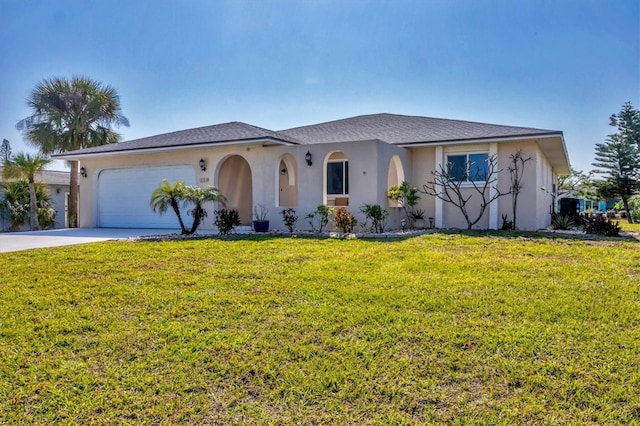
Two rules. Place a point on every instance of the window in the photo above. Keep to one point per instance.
(468, 167)
(338, 178)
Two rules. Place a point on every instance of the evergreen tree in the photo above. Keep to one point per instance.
(5, 150)
(618, 159)
(628, 123)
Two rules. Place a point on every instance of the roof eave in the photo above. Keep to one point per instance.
(560, 163)
(488, 139)
(263, 141)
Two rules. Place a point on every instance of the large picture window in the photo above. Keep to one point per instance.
(338, 178)
(468, 167)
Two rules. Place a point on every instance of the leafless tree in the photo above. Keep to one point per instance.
(516, 170)
(450, 189)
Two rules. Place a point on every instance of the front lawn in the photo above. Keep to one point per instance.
(452, 328)
(629, 227)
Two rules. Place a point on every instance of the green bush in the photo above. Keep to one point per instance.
(319, 218)
(634, 205)
(600, 225)
(562, 221)
(226, 220)
(376, 214)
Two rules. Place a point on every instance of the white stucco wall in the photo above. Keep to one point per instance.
(369, 163)
(534, 200)
(368, 170)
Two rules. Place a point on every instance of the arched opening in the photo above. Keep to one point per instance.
(234, 181)
(336, 179)
(395, 176)
(287, 182)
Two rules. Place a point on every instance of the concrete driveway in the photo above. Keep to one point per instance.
(15, 241)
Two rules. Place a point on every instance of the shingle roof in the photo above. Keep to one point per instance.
(403, 129)
(227, 132)
(50, 177)
(391, 128)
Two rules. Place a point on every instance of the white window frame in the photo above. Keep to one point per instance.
(467, 182)
(345, 179)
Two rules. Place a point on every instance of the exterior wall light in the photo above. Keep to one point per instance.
(283, 171)
(203, 165)
(83, 172)
(307, 157)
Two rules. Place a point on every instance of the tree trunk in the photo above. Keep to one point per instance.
(33, 207)
(72, 206)
(176, 209)
(626, 208)
(198, 214)
(515, 210)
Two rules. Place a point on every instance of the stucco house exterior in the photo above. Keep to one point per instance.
(346, 162)
(58, 185)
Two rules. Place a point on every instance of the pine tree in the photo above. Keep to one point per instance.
(628, 123)
(618, 159)
(5, 151)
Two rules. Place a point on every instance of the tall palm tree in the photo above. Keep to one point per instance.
(72, 114)
(26, 166)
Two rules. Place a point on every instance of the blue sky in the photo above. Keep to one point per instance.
(559, 65)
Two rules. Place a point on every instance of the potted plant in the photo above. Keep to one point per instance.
(418, 219)
(260, 222)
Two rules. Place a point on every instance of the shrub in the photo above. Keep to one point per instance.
(319, 218)
(562, 221)
(507, 225)
(226, 220)
(600, 225)
(344, 220)
(289, 218)
(405, 195)
(376, 214)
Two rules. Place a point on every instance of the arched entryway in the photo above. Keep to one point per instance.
(287, 182)
(234, 181)
(395, 176)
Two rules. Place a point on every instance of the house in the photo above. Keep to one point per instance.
(58, 185)
(346, 162)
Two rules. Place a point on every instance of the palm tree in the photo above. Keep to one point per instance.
(199, 196)
(72, 114)
(168, 195)
(15, 203)
(26, 166)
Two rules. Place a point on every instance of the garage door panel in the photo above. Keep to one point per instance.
(124, 194)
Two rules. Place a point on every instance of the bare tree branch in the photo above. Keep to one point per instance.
(449, 189)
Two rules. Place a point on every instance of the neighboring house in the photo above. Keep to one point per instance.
(346, 162)
(58, 184)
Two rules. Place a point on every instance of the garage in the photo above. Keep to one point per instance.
(124, 194)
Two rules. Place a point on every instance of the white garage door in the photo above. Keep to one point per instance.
(124, 194)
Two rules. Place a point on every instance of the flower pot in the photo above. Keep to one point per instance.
(418, 223)
(261, 225)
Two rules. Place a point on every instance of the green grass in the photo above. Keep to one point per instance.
(629, 227)
(464, 329)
